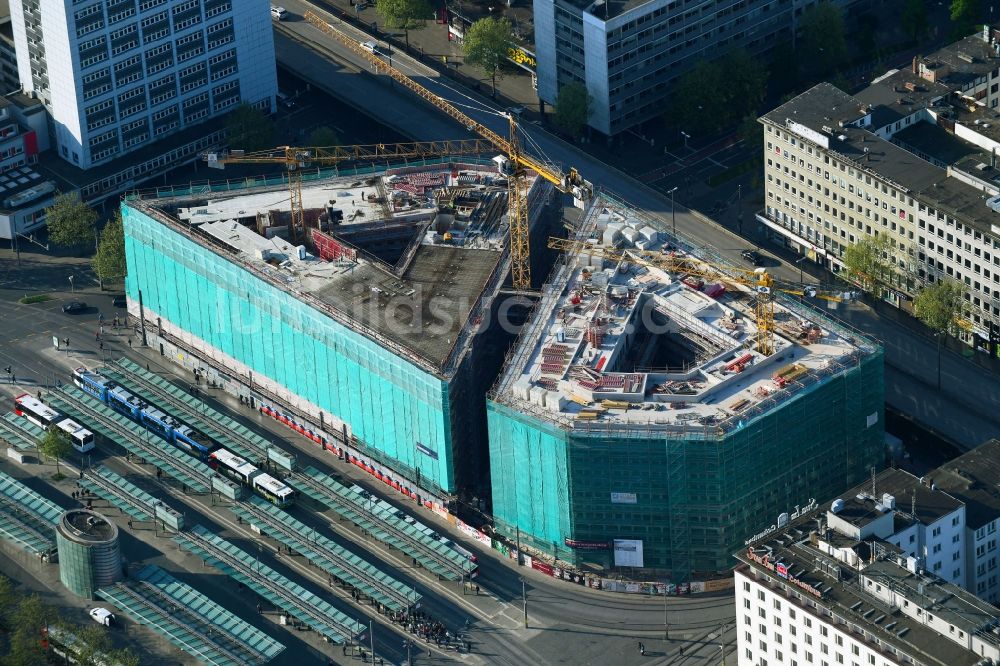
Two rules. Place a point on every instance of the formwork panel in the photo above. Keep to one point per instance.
(389, 403)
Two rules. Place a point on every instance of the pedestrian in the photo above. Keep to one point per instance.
(97, 336)
(682, 650)
(39, 396)
(642, 649)
(477, 590)
(13, 378)
(100, 346)
(130, 523)
(130, 343)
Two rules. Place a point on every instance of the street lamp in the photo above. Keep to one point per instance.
(524, 602)
(722, 649)
(71, 285)
(686, 137)
(666, 625)
(799, 262)
(673, 214)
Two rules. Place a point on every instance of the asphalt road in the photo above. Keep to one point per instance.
(601, 627)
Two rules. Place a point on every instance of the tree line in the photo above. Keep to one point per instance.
(25, 621)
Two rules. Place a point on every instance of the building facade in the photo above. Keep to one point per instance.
(24, 193)
(630, 53)
(810, 594)
(383, 363)
(972, 479)
(115, 76)
(912, 158)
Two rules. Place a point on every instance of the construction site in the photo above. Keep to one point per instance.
(661, 405)
(657, 407)
(362, 324)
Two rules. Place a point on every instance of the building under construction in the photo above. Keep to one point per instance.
(652, 419)
(364, 328)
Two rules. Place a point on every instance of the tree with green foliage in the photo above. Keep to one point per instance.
(70, 221)
(249, 128)
(718, 93)
(697, 99)
(55, 444)
(964, 16)
(487, 45)
(823, 42)
(93, 644)
(30, 619)
(747, 78)
(867, 264)
(8, 602)
(940, 305)
(109, 262)
(573, 106)
(752, 134)
(405, 14)
(125, 657)
(323, 137)
(913, 18)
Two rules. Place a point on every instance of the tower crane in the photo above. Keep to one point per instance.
(519, 163)
(762, 283)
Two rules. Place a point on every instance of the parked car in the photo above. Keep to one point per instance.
(102, 616)
(285, 100)
(74, 307)
(752, 257)
(279, 13)
(118, 301)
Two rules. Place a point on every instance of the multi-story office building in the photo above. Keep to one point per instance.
(911, 158)
(630, 53)
(24, 193)
(9, 81)
(811, 595)
(972, 479)
(116, 75)
(917, 518)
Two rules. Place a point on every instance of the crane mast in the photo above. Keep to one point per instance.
(758, 280)
(520, 162)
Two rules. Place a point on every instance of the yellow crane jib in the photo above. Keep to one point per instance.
(758, 280)
(570, 183)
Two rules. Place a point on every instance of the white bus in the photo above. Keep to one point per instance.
(45, 417)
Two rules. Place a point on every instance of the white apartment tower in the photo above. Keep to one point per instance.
(116, 75)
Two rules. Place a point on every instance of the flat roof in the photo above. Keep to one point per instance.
(936, 142)
(974, 478)
(87, 526)
(861, 506)
(424, 304)
(628, 344)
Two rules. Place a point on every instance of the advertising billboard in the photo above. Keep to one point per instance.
(628, 553)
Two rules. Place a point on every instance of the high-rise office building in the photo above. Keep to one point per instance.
(630, 53)
(115, 75)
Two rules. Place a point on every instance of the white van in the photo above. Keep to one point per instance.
(279, 13)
